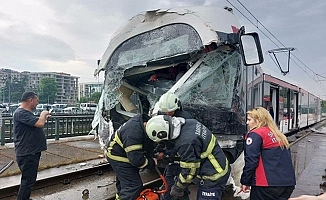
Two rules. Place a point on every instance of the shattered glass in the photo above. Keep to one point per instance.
(150, 46)
(158, 44)
(213, 82)
(215, 93)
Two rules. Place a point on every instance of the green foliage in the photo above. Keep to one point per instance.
(96, 96)
(48, 90)
(83, 100)
(323, 106)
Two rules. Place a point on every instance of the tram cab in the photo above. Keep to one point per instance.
(198, 53)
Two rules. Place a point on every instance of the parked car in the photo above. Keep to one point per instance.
(59, 107)
(12, 108)
(40, 107)
(73, 110)
(89, 107)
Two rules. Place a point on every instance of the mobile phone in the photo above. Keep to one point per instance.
(50, 110)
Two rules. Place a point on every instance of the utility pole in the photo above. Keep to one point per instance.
(9, 88)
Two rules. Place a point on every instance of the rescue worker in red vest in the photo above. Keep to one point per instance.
(130, 150)
(202, 160)
(170, 104)
(268, 172)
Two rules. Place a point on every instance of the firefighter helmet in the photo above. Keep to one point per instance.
(169, 102)
(159, 128)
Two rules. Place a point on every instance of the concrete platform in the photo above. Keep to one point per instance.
(310, 164)
(82, 150)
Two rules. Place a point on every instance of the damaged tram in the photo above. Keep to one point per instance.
(199, 53)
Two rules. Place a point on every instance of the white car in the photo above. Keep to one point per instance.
(89, 107)
(72, 110)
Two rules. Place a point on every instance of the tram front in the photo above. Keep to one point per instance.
(193, 52)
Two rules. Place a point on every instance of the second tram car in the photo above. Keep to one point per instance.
(291, 106)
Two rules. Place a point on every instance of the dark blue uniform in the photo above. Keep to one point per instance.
(201, 160)
(172, 170)
(129, 150)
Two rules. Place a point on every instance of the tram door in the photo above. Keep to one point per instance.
(274, 106)
(293, 120)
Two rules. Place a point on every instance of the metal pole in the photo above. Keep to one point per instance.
(57, 121)
(3, 132)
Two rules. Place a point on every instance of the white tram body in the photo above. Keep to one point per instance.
(213, 67)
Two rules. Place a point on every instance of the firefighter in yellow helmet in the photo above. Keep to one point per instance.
(202, 160)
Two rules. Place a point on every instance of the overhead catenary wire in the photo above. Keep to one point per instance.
(304, 68)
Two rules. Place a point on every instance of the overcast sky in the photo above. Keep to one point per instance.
(70, 35)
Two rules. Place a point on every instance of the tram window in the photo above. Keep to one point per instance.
(213, 82)
(171, 40)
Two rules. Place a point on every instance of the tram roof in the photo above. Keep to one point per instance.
(281, 77)
(205, 20)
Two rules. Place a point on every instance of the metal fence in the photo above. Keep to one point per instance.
(56, 127)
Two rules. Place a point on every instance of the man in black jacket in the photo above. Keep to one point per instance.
(129, 150)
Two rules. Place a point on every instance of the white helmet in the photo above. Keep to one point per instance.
(169, 102)
(158, 128)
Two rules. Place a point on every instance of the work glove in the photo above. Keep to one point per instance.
(176, 191)
(151, 163)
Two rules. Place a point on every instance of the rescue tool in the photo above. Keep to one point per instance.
(152, 194)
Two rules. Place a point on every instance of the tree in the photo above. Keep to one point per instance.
(13, 90)
(83, 100)
(48, 90)
(96, 96)
(323, 106)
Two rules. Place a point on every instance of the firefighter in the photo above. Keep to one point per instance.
(170, 104)
(202, 160)
(130, 150)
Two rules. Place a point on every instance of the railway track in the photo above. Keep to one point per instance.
(79, 176)
(63, 180)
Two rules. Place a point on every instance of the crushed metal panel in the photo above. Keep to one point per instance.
(206, 20)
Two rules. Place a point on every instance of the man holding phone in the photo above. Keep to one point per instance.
(29, 140)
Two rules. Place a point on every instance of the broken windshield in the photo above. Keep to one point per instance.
(163, 42)
(213, 82)
(167, 41)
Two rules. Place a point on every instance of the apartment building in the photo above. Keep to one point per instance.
(68, 90)
(11, 75)
(87, 89)
(67, 85)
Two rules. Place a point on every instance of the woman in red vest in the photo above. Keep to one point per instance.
(268, 172)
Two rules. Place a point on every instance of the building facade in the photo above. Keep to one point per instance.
(67, 84)
(88, 89)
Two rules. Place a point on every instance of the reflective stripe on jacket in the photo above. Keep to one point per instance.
(201, 156)
(130, 143)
